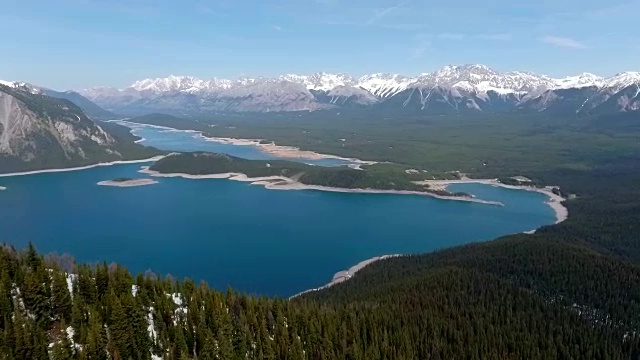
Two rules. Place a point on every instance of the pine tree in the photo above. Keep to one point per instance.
(102, 280)
(78, 317)
(138, 327)
(60, 297)
(33, 259)
(296, 351)
(62, 349)
(39, 344)
(37, 294)
(209, 346)
(85, 285)
(120, 336)
(223, 337)
(6, 307)
(21, 346)
(95, 348)
(180, 343)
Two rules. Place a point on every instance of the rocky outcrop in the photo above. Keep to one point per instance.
(35, 126)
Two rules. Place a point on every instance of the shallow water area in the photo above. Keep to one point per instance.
(185, 140)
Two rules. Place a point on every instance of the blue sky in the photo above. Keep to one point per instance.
(74, 44)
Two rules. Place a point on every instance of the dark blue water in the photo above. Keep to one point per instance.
(177, 140)
(231, 233)
(257, 240)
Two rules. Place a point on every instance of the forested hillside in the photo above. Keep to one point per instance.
(410, 308)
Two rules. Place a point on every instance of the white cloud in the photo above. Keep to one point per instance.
(563, 42)
(209, 11)
(402, 27)
(496, 37)
(451, 36)
(461, 36)
(276, 27)
(379, 14)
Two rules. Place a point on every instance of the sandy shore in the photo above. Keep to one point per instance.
(120, 162)
(345, 275)
(554, 201)
(284, 183)
(271, 148)
(128, 183)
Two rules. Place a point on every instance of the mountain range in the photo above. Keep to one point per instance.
(464, 88)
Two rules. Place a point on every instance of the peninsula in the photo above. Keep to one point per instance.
(287, 175)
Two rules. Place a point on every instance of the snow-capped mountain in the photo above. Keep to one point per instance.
(320, 81)
(385, 85)
(622, 80)
(579, 81)
(482, 79)
(456, 88)
(90, 108)
(21, 85)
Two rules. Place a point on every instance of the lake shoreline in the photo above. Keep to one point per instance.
(271, 148)
(554, 200)
(284, 183)
(345, 275)
(117, 162)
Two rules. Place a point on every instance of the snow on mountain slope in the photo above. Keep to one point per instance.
(21, 85)
(472, 77)
(341, 95)
(478, 84)
(320, 81)
(325, 82)
(622, 80)
(481, 79)
(187, 84)
(384, 85)
(579, 81)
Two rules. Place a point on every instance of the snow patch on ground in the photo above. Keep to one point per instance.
(70, 279)
(176, 299)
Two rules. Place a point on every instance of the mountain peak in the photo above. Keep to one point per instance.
(22, 86)
(622, 80)
(579, 81)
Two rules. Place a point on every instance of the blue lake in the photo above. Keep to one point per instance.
(231, 233)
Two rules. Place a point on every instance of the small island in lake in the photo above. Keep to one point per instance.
(289, 175)
(127, 182)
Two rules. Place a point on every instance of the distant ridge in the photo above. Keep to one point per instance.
(451, 89)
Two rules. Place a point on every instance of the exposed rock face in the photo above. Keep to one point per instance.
(34, 126)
